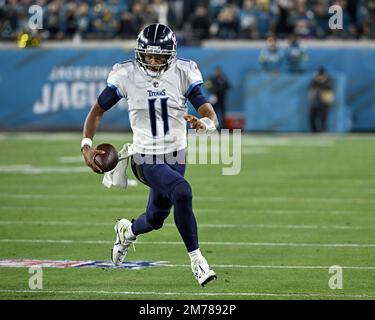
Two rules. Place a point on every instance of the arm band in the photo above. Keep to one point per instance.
(108, 98)
(196, 97)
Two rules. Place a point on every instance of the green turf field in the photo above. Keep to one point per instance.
(299, 205)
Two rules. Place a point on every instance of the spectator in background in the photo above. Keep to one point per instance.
(8, 20)
(349, 29)
(302, 19)
(200, 23)
(282, 23)
(129, 26)
(321, 96)
(227, 22)
(149, 15)
(321, 19)
(176, 14)
(271, 58)
(215, 6)
(105, 24)
(353, 9)
(83, 19)
(117, 7)
(137, 12)
(218, 86)
(265, 20)
(369, 19)
(160, 7)
(97, 12)
(71, 26)
(295, 55)
(53, 22)
(248, 20)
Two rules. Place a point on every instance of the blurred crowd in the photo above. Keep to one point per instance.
(193, 20)
(293, 58)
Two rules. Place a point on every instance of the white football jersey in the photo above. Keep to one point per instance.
(156, 105)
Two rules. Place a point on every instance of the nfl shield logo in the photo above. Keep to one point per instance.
(155, 84)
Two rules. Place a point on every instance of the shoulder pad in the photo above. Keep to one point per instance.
(123, 67)
(185, 64)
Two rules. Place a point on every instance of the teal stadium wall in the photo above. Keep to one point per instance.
(53, 89)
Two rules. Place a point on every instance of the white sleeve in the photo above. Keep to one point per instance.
(115, 80)
(193, 77)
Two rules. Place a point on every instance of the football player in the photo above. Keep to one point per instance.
(156, 86)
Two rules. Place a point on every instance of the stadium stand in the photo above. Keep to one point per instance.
(193, 20)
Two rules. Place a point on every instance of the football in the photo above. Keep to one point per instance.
(109, 160)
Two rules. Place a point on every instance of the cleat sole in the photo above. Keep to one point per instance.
(209, 279)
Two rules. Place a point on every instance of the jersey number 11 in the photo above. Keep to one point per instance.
(164, 114)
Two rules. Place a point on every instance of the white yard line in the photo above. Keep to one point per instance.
(269, 266)
(125, 209)
(62, 136)
(71, 159)
(30, 169)
(286, 142)
(202, 294)
(53, 210)
(256, 150)
(197, 198)
(217, 243)
(29, 196)
(201, 225)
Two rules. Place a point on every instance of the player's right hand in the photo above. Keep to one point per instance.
(89, 155)
(194, 122)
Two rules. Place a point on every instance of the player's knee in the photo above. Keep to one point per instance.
(182, 192)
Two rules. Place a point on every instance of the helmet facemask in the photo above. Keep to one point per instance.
(156, 69)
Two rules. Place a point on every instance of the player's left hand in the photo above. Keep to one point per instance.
(195, 123)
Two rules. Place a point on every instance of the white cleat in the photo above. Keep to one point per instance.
(118, 253)
(122, 244)
(202, 271)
